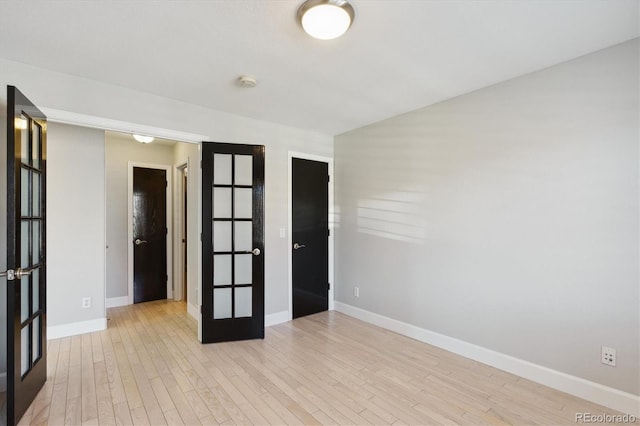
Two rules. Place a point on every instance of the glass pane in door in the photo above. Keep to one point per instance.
(24, 191)
(36, 350)
(24, 350)
(243, 169)
(221, 303)
(35, 145)
(24, 299)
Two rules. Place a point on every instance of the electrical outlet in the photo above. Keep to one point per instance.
(608, 356)
(356, 291)
(86, 302)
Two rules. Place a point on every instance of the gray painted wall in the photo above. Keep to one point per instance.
(75, 223)
(507, 218)
(119, 151)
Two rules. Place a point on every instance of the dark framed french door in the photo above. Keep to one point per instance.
(26, 253)
(232, 242)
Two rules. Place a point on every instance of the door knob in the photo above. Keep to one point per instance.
(297, 246)
(138, 241)
(256, 252)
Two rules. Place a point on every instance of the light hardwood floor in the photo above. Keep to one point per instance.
(148, 368)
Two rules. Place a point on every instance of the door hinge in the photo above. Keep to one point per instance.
(166, 277)
(328, 286)
(328, 178)
(328, 232)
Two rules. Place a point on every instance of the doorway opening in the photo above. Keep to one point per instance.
(181, 253)
(146, 250)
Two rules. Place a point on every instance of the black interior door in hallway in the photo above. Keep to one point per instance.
(149, 234)
(310, 236)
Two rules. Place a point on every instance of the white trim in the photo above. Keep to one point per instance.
(178, 249)
(582, 388)
(277, 318)
(193, 311)
(168, 207)
(114, 302)
(76, 119)
(329, 161)
(3, 382)
(75, 328)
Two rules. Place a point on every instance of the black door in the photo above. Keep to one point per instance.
(310, 236)
(26, 253)
(232, 242)
(149, 234)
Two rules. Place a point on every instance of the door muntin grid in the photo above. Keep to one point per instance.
(30, 233)
(232, 235)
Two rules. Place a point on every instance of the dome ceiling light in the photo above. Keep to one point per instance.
(143, 139)
(326, 19)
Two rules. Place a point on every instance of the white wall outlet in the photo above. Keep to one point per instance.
(608, 356)
(356, 291)
(86, 302)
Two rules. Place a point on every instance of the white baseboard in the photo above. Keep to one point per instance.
(114, 302)
(74, 328)
(582, 388)
(3, 382)
(277, 318)
(193, 311)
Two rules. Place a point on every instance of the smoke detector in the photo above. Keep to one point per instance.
(247, 81)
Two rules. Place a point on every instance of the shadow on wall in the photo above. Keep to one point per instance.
(393, 216)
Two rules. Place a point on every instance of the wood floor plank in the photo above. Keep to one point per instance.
(328, 368)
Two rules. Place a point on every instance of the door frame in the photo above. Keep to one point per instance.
(178, 250)
(168, 207)
(329, 162)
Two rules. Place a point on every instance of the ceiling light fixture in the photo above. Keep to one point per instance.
(143, 139)
(326, 19)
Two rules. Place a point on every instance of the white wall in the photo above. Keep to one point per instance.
(75, 224)
(507, 218)
(65, 92)
(120, 149)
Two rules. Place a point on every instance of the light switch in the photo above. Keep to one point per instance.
(283, 232)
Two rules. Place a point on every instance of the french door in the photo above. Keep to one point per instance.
(232, 242)
(26, 253)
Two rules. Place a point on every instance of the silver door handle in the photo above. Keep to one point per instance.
(256, 252)
(17, 274)
(138, 241)
(297, 246)
(23, 272)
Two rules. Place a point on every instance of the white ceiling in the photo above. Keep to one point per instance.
(398, 56)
